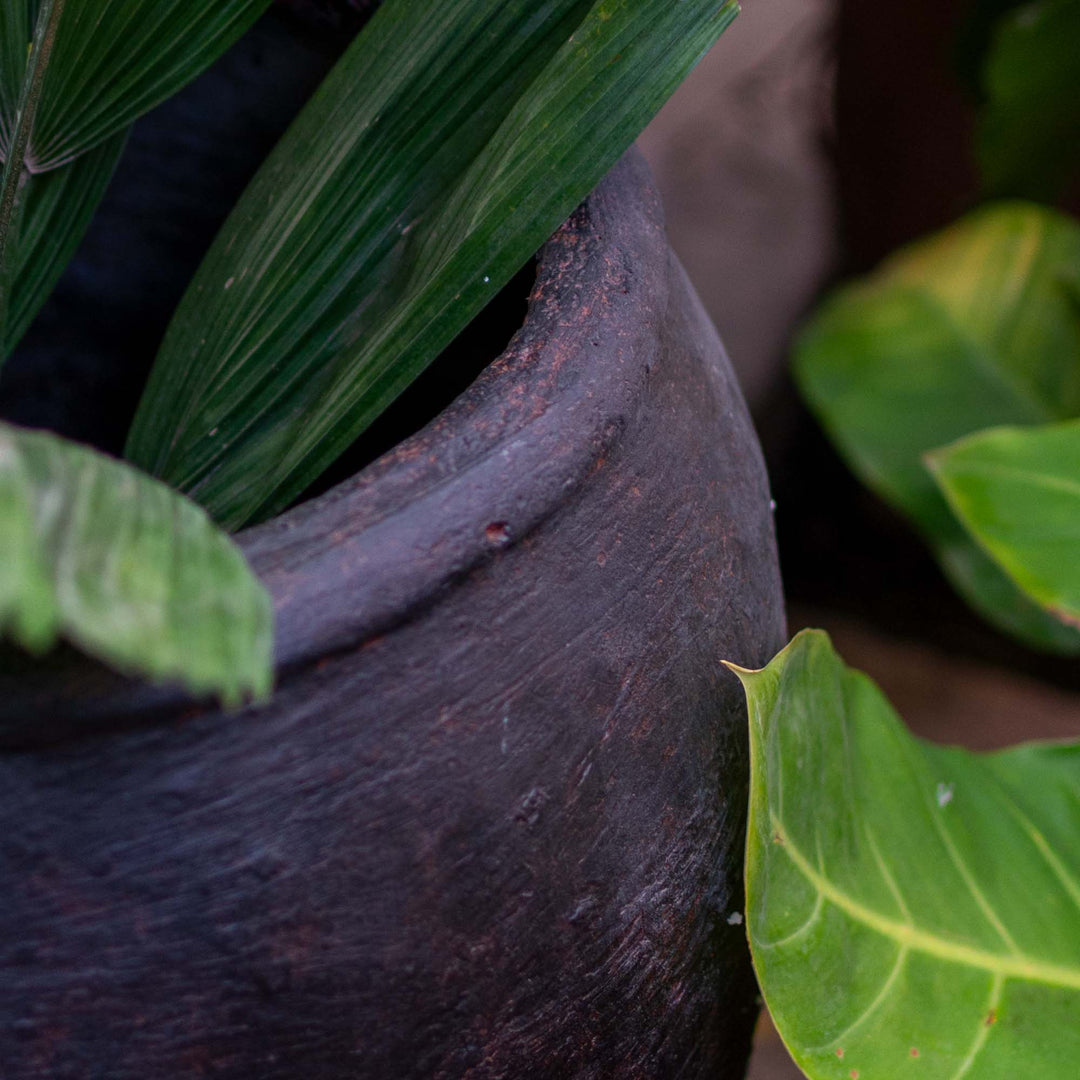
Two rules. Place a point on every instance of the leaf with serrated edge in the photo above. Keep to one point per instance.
(974, 327)
(1017, 491)
(131, 572)
(387, 218)
(910, 907)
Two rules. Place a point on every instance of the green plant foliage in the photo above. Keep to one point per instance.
(15, 131)
(441, 152)
(129, 571)
(975, 327)
(1017, 490)
(112, 61)
(975, 36)
(59, 206)
(913, 910)
(73, 76)
(1029, 129)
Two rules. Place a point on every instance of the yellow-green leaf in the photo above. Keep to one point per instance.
(913, 910)
(1017, 491)
(975, 327)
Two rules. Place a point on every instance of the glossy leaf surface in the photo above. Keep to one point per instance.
(975, 327)
(112, 61)
(1017, 491)
(446, 146)
(1029, 129)
(913, 910)
(126, 569)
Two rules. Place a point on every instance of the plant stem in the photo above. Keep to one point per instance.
(15, 162)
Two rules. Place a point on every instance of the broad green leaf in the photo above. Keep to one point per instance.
(59, 206)
(112, 61)
(975, 327)
(1017, 491)
(126, 569)
(445, 147)
(1029, 128)
(913, 910)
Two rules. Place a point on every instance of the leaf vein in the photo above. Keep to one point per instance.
(1012, 965)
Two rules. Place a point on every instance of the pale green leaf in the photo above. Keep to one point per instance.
(975, 327)
(913, 910)
(446, 146)
(126, 569)
(1017, 491)
(1029, 127)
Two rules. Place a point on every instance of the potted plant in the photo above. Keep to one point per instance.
(489, 820)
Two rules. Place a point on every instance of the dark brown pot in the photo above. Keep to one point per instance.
(491, 824)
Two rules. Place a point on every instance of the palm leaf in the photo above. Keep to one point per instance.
(444, 148)
(73, 77)
(112, 61)
(59, 207)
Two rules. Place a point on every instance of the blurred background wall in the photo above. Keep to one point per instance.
(742, 158)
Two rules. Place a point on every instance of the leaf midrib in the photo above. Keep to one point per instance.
(905, 934)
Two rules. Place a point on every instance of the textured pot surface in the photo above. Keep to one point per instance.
(491, 823)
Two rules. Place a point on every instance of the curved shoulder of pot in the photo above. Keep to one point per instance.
(381, 547)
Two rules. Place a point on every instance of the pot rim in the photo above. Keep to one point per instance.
(381, 547)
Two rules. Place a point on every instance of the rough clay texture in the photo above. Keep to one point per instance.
(491, 825)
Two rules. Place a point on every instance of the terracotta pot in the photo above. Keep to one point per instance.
(491, 823)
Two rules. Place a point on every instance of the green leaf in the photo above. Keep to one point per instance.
(126, 569)
(912, 909)
(1029, 128)
(974, 37)
(59, 207)
(975, 327)
(15, 131)
(1017, 491)
(74, 74)
(112, 61)
(445, 147)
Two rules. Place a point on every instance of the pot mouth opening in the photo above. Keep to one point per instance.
(448, 376)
